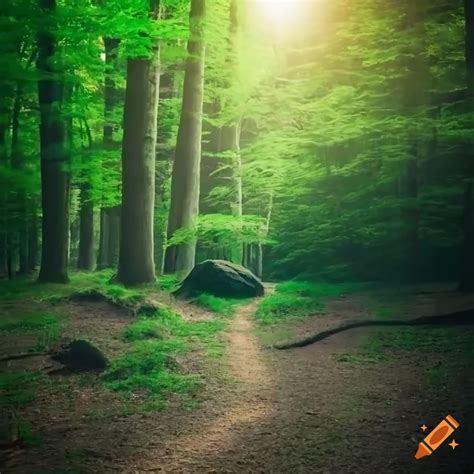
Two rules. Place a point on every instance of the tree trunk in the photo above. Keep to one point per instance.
(109, 216)
(466, 282)
(186, 167)
(54, 159)
(231, 145)
(3, 201)
(413, 218)
(18, 206)
(136, 258)
(85, 260)
(33, 236)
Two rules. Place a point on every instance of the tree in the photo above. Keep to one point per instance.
(86, 256)
(109, 215)
(136, 257)
(54, 157)
(186, 167)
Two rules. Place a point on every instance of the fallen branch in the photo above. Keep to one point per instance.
(452, 319)
(23, 355)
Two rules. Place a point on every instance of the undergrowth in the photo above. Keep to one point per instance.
(150, 367)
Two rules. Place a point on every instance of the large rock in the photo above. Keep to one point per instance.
(81, 356)
(221, 278)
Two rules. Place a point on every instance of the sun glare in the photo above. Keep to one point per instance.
(282, 13)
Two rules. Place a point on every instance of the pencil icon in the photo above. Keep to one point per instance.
(437, 437)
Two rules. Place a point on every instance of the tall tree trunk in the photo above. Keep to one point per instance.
(186, 167)
(164, 158)
(109, 216)
(258, 266)
(3, 200)
(466, 282)
(413, 217)
(19, 201)
(86, 257)
(230, 145)
(136, 258)
(54, 158)
(86, 260)
(33, 236)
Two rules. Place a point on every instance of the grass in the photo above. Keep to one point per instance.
(219, 306)
(299, 299)
(45, 325)
(444, 353)
(168, 282)
(31, 321)
(18, 388)
(150, 368)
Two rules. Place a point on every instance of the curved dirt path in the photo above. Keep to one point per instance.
(296, 411)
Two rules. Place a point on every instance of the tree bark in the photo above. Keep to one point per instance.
(33, 236)
(231, 145)
(54, 158)
(186, 167)
(86, 260)
(136, 258)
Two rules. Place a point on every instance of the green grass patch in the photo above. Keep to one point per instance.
(280, 307)
(319, 289)
(29, 321)
(219, 306)
(28, 436)
(299, 299)
(444, 352)
(168, 282)
(18, 388)
(46, 326)
(150, 366)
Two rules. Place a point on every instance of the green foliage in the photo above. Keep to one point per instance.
(168, 282)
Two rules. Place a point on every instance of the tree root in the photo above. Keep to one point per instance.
(23, 355)
(452, 319)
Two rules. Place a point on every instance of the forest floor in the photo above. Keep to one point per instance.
(353, 403)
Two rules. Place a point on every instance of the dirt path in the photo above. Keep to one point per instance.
(300, 411)
(297, 411)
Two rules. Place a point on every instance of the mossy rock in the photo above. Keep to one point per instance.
(220, 278)
(81, 356)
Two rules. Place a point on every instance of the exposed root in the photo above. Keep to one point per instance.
(451, 319)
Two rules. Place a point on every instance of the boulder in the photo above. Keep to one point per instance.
(81, 356)
(220, 278)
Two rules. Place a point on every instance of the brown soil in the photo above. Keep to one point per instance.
(297, 411)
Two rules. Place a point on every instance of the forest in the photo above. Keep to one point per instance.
(236, 236)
